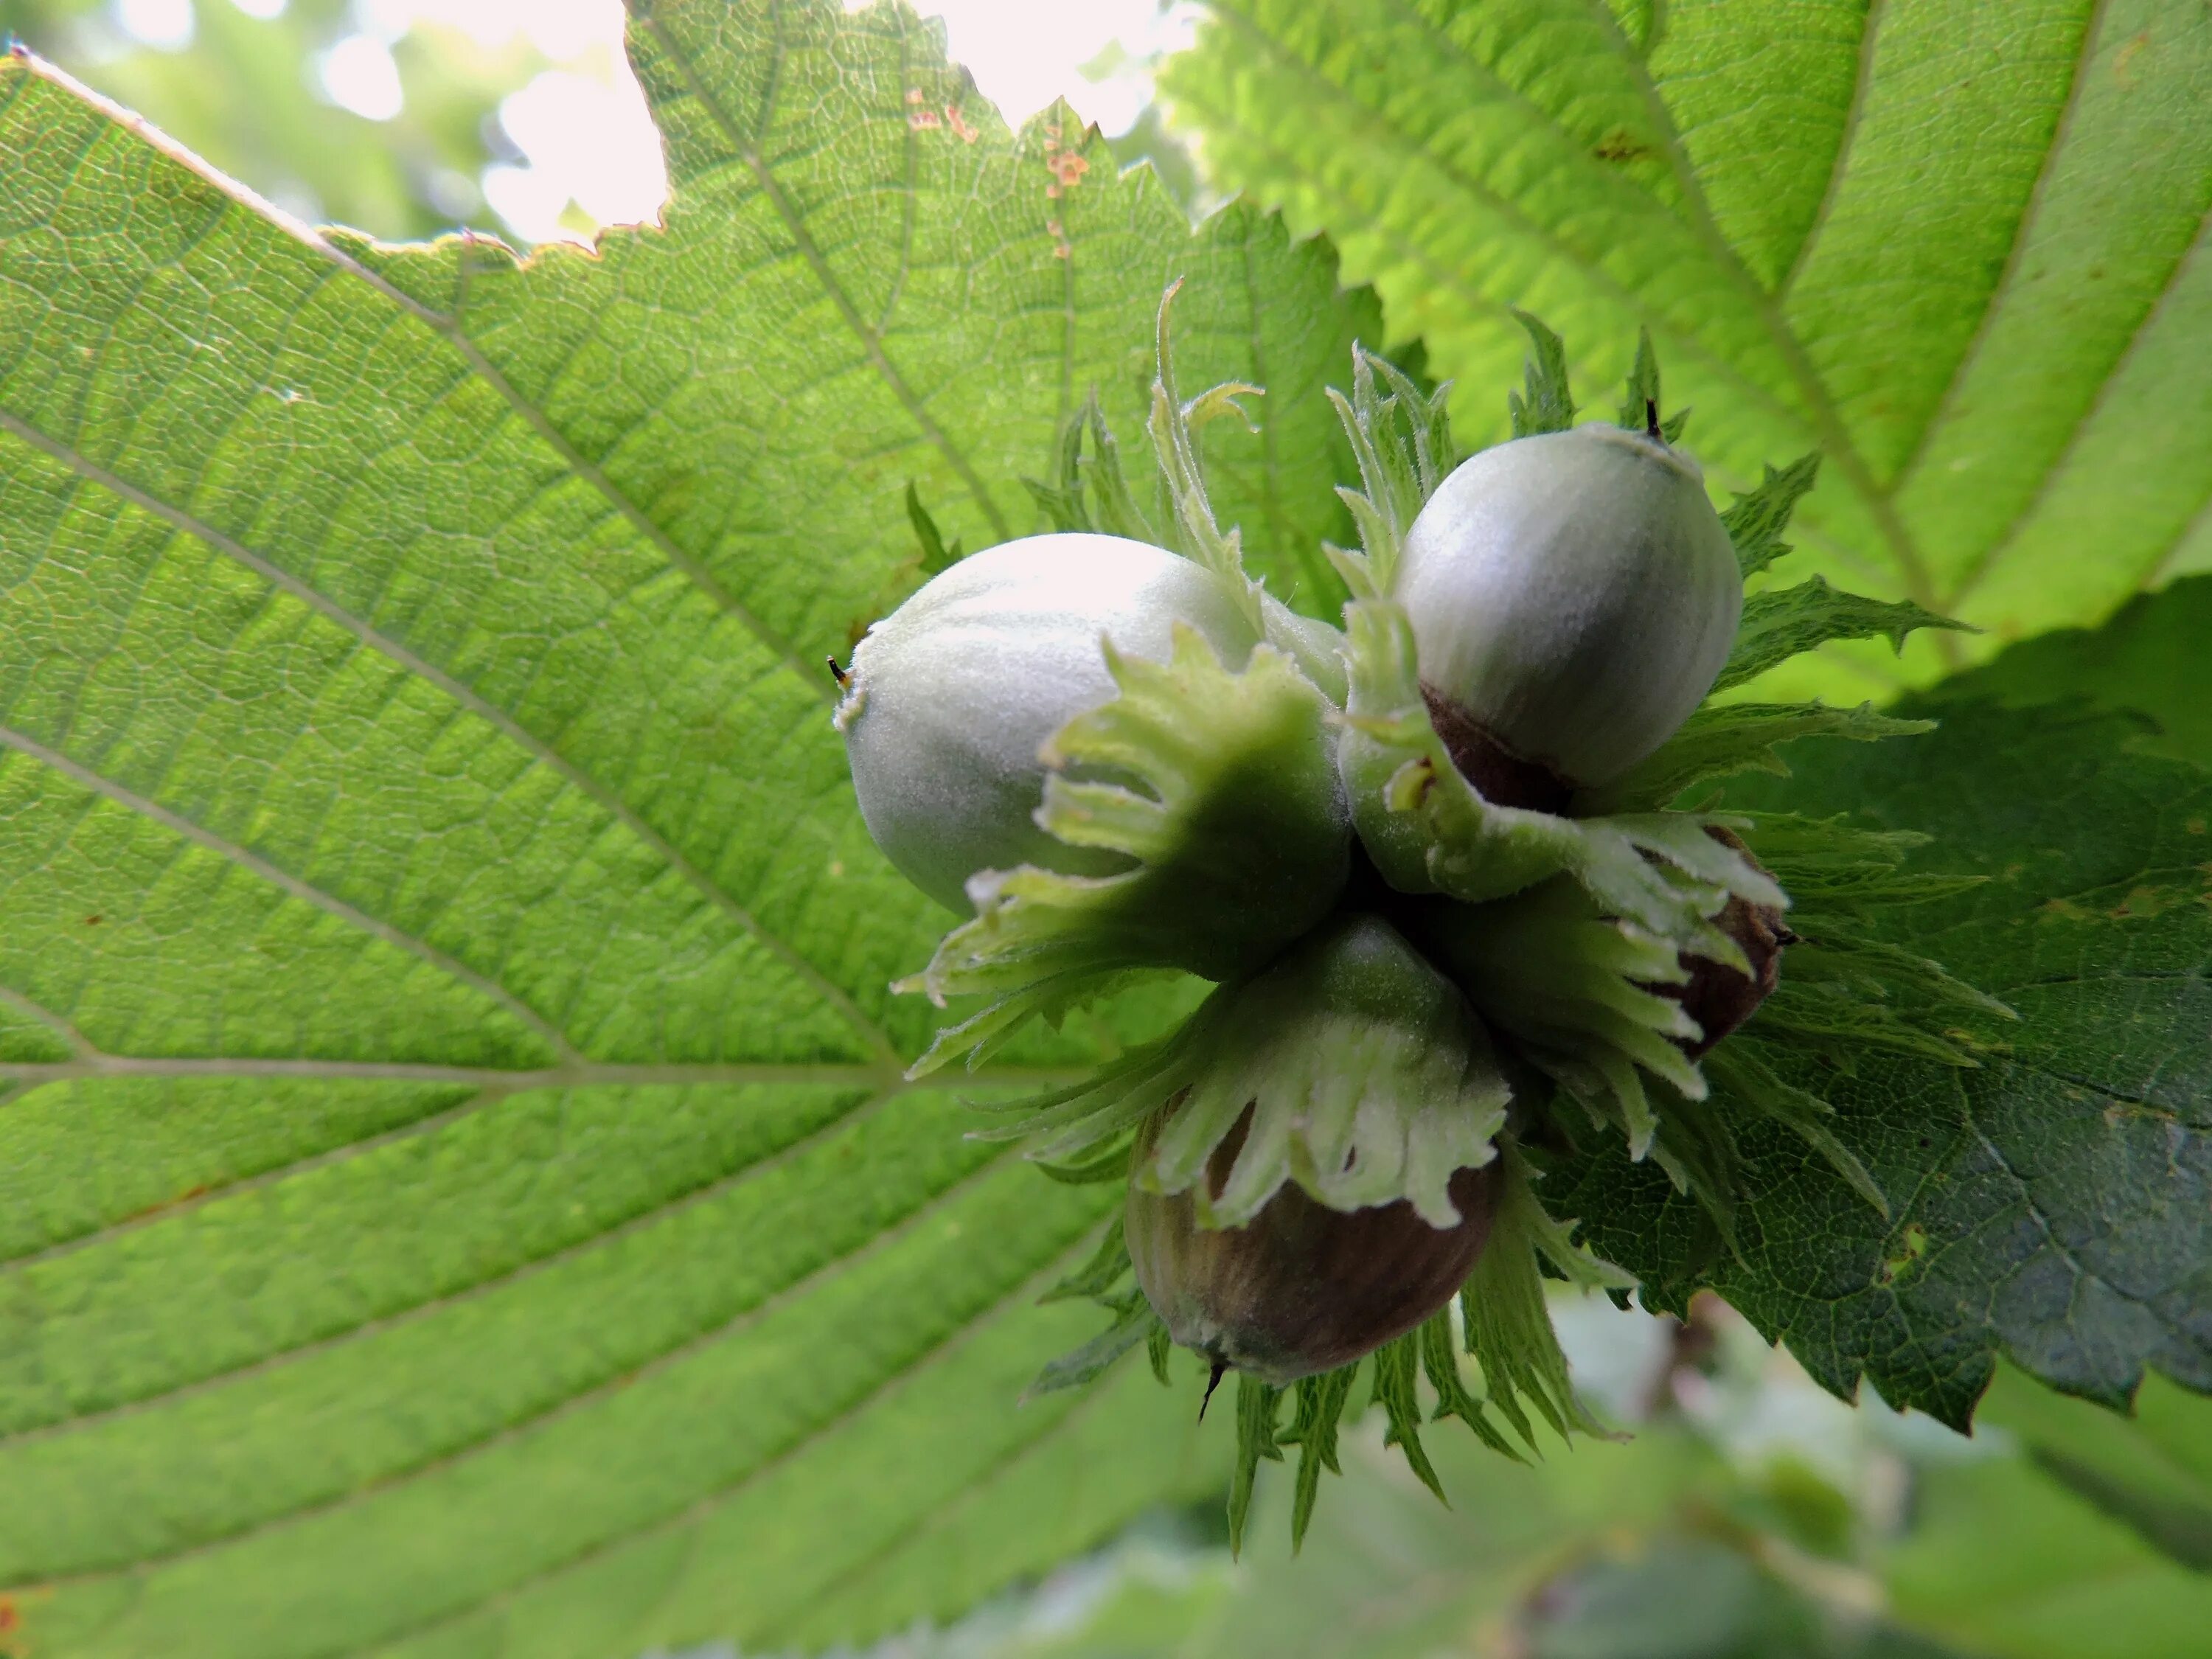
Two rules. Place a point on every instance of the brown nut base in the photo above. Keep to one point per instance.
(1499, 776)
(1719, 998)
(1301, 1289)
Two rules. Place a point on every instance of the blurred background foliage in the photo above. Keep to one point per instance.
(407, 119)
(257, 89)
(1744, 1515)
(1747, 1515)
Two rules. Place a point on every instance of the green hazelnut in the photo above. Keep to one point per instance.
(951, 697)
(1573, 597)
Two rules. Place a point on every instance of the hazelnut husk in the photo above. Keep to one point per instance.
(1302, 1288)
(1721, 998)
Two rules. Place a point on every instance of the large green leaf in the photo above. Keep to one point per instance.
(1958, 244)
(2053, 1202)
(456, 1190)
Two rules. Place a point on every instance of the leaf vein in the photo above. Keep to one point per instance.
(2022, 230)
(46, 1017)
(577, 1075)
(1766, 308)
(1973, 576)
(1818, 408)
(1862, 83)
(702, 1507)
(535, 1421)
(467, 697)
(520, 1273)
(795, 223)
(923, 1523)
(429, 1124)
(293, 886)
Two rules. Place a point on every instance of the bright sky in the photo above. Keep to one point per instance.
(582, 127)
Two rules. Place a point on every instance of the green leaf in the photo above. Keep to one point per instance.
(1133, 1322)
(1257, 1404)
(935, 557)
(1549, 406)
(1958, 248)
(1641, 405)
(1320, 1403)
(1722, 740)
(456, 1190)
(1756, 519)
(1396, 1365)
(2053, 1203)
(1780, 623)
(2149, 660)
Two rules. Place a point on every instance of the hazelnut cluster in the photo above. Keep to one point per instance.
(1436, 864)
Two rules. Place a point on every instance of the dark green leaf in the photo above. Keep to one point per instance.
(2150, 659)
(1755, 521)
(2053, 1203)
(1723, 740)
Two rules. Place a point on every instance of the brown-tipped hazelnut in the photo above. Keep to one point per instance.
(1718, 997)
(1573, 596)
(1302, 1288)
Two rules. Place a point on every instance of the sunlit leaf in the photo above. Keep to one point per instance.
(1957, 246)
(455, 1183)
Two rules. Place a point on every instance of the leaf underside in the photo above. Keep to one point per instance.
(1958, 248)
(454, 1180)
(457, 1196)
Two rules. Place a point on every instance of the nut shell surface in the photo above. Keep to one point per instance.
(1302, 1289)
(1574, 594)
(951, 696)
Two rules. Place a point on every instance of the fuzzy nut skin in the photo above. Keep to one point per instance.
(951, 697)
(1573, 597)
(1302, 1288)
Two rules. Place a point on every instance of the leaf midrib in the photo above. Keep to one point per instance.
(772, 191)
